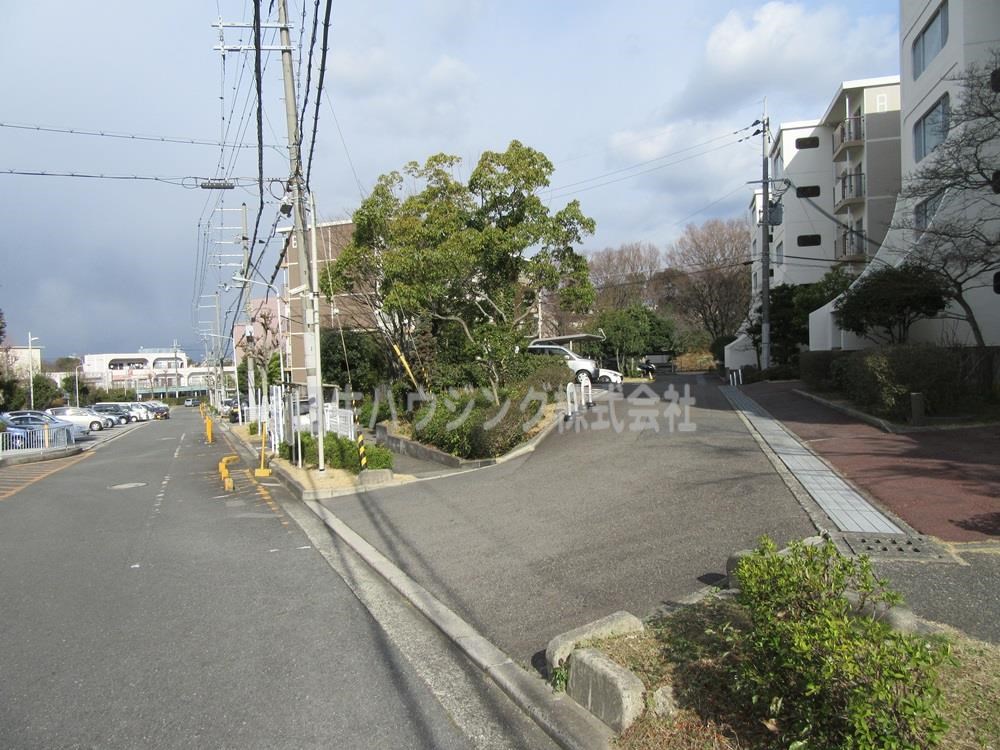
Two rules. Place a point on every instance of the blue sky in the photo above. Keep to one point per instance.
(97, 265)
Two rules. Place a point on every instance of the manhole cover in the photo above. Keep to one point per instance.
(896, 547)
(127, 486)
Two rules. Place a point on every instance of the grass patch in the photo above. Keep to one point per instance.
(689, 650)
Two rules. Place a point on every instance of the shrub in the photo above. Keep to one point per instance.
(881, 380)
(718, 347)
(253, 428)
(820, 675)
(817, 368)
(469, 425)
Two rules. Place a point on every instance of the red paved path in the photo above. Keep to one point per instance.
(944, 482)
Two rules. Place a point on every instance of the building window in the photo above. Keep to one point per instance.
(777, 166)
(809, 240)
(779, 253)
(931, 129)
(930, 41)
(810, 142)
(924, 212)
(807, 191)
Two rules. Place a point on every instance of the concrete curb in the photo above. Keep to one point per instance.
(45, 454)
(855, 413)
(560, 647)
(560, 717)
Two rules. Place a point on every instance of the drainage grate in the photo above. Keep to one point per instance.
(896, 547)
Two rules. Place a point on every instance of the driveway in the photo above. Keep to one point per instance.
(593, 521)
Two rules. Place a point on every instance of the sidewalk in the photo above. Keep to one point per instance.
(944, 484)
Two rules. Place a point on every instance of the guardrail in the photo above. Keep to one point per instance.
(35, 440)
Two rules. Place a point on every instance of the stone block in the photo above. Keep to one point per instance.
(609, 691)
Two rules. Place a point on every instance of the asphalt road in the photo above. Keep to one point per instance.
(144, 607)
(633, 516)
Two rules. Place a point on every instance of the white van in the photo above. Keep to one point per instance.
(580, 366)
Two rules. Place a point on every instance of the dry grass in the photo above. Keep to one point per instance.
(687, 650)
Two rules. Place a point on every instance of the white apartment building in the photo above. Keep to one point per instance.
(836, 180)
(939, 39)
(147, 371)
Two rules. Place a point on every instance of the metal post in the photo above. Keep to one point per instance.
(76, 383)
(31, 371)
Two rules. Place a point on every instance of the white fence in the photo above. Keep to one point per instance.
(34, 440)
(339, 420)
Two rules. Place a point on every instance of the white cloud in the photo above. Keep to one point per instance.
(786, 49)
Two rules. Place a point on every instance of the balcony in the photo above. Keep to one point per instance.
(850, 246)
(851, 132)
(849, 191)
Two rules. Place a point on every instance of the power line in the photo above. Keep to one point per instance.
(189, 182)
(553, 193)
(128, 136)
(319, 87)
(650, 161)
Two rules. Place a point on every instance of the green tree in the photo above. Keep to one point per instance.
(47, 393)
(789, 312)
(470, 257)
(884, 302)
(633, 332)
(364, 366)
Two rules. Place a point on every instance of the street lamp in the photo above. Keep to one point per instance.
(76, 380)
(31, 371)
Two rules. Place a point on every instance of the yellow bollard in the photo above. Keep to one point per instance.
(208, 430)
(262, 472)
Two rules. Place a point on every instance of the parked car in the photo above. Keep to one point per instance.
(77, 415)
(581, 366)
(133, 414)
(609, 376)
(192, 402)
(13, 435)
(158, 409)
(116, 412)
(35, 420)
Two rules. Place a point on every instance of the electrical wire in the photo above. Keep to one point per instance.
(128, 136)
(319, 87)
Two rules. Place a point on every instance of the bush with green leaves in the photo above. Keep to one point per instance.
(338, 453)
(881, 380)
(820, 674)
(468, 424)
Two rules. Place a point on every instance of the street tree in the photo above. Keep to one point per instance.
(955, 194)
(789, 314)
(710, 283)
(471, 258)
(632, 332)
(885, 301)
(625, 275)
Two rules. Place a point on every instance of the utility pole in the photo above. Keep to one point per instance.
(765, 251)
(177, 374)
(248, 337)
(300, 274)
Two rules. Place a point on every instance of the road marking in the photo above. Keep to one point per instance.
(17, 477)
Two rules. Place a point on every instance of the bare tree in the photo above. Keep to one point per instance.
(623, 276)
(955, 221)
(711, 279)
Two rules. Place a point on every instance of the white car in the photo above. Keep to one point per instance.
(78, 415)
(609, 376)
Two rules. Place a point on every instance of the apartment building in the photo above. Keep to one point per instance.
(939, 39)
(836, 180)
